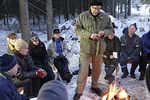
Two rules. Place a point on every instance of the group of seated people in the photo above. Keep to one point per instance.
(33, 59)
(129, 48)
(31, 68)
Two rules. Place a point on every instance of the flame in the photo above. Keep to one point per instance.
(115, 94)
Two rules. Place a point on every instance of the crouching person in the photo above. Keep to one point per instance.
(39, 55)
(8, 68)
(28, 76)
(57, 49)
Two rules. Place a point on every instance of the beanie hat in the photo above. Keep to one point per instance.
(11, 35)
(7, 62)
(96, 2)
(20, 44)
(134, 25)
(53, 90)
(34, 37)
(55, 31)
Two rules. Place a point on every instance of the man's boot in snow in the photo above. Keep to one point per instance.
(142, 76)
(109, 75)
(133, 67)
(125, 72)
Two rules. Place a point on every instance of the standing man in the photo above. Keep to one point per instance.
(92, 26)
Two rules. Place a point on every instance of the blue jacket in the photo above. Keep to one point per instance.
(145, 43)
(8, 91)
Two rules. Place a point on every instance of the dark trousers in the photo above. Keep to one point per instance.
(31, 85)
(62, 66)
(110, 63)
(148, 77)
(50, 74)
(123, 63)
(143, 61)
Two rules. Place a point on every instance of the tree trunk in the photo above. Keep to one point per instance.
(129, 7)
(125, 16)
(49, 11)
(24, 19)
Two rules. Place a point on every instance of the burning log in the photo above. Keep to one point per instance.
(115, 94)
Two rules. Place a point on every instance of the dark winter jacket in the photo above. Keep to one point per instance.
(112, 45)
(85, 25)
(130, 46)
(7, 89)
(145, 43)
(27, 68)
(38, 53)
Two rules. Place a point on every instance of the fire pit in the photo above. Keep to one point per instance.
(115, 94)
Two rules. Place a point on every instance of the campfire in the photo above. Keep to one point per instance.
(115, 94)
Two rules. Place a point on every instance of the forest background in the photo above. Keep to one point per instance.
(32, 14)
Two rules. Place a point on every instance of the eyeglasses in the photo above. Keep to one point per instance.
(95, 8)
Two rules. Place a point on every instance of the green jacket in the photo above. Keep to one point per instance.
(87, 24)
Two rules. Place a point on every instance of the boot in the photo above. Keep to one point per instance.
(111, 69)
(142, 76)
(67, 77)
(133, 67)
(77, 96)
(110, 78)
(98, 91)
(125, 72)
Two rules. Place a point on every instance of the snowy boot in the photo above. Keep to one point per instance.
(125, 72)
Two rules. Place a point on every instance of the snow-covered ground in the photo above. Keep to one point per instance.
(135, 88)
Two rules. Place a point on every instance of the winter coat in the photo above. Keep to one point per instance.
(26, 69)
(85, 25)
(7, 89)
(9, 49)
(145, 43)
(130, 48)
(38, 53)
(112, 45)
(51, 49)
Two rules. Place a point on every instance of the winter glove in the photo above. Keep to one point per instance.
(41, 73)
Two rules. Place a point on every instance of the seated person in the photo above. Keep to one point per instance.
(53, 90)
(145, 54)
(130, 51)
(57, 49)
(148, 77)
(113, 45)
(11, 39)
(8, 68)
(39, 55)
(28, 76)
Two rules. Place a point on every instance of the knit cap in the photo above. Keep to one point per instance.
(34, 37)
(134, 25)
(11, 35)
(20, 44)
(53, 90)
(96, 2)
(7, 62)
(55, 31)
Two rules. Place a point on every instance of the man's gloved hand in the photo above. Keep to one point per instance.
(41, 73)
